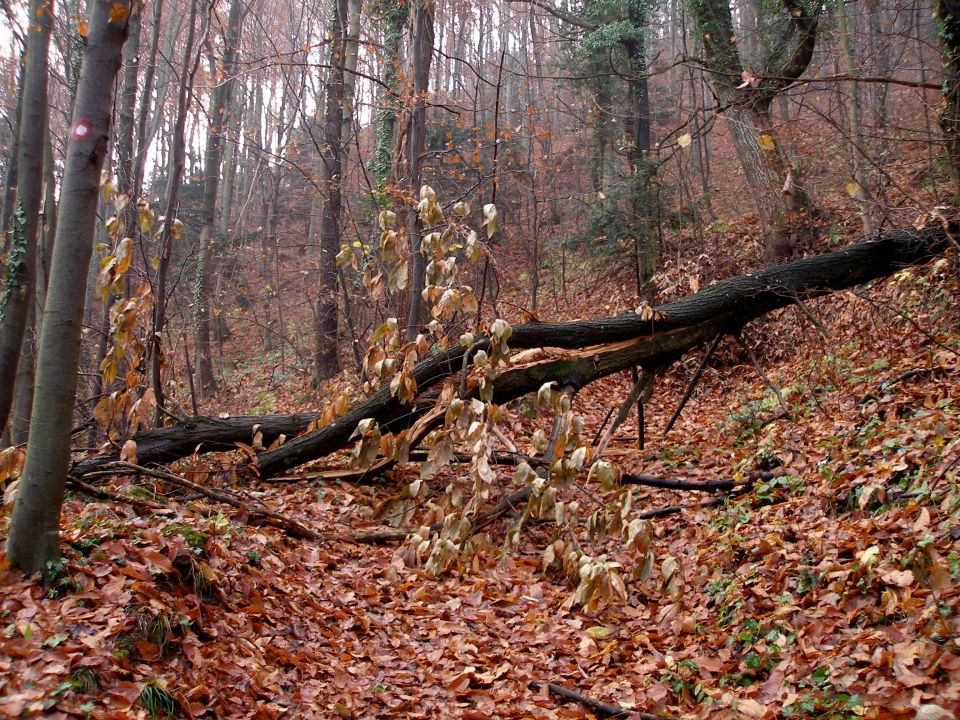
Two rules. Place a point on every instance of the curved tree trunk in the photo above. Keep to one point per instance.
(34, 539)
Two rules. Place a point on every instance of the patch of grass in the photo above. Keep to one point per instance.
(142, 493)
(195, 539)
(266, 403)
(158, 701)
(82, 680)
(777, 489)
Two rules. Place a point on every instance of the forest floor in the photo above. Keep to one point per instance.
(831, 590)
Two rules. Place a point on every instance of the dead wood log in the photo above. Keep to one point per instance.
(710, 486)
(569, 353)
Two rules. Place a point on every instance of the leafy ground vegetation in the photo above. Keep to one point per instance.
(826, 589)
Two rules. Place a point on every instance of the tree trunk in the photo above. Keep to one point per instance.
(143, 140)
(948, 15)
(27, 368)
(34, 540)
(856, 126)
(326, 360)
(206, 383)
(422, 56)
(746, 101)
(396, 17)
(10, 179)
(170, 231)
(19, 271)
(596, 348)
(126, 120)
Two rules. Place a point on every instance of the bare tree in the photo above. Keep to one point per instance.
(326, 361)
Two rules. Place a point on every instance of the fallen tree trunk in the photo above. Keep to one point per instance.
(570, 353)
(201, 434)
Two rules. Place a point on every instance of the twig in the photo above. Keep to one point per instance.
(596, 438)
(78, 484)
(507, 442)
(886, 384)
(595, 705)
(260, 514)
(759, 368)
(377, 537)
(812, 318)
(677, 509)
(193, 392)
(691, 386)
(467, 356)
(917, 326)
(635, 376)
(639, 394)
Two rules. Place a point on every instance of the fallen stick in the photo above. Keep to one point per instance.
(261, 514)
(710, 486)
(595, 705)
(677, 509)
(692, 385)
(78, 484)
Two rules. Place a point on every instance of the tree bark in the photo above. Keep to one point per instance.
(148, 77)
(597, 348)
(27, 368)
(34, 540)
(10, 179)
(326, 359)
(422, 56)
(20, 268)
(856, 126)
(206, 382)
(168, 232)
(948, 17)
(746, 97)
(395, 17)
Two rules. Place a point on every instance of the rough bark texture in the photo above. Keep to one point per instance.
(10, 179)
(20, 269)
(746, 97)
(394, 18)
(948, 16)
(596, 348)
(36, 516)
(422, 55)
(326, 361)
